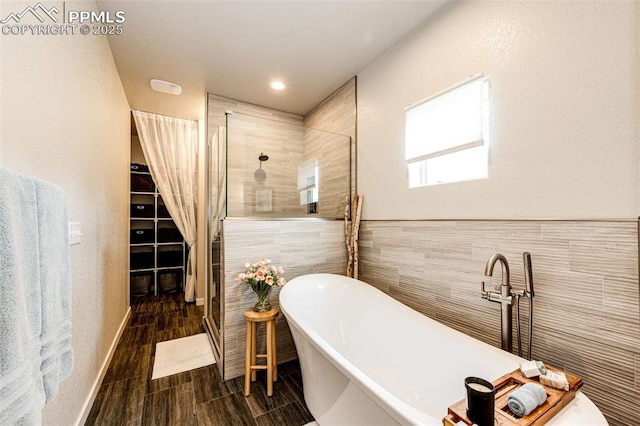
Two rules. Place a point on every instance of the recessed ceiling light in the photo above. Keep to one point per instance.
(165, 87)
(277, 85)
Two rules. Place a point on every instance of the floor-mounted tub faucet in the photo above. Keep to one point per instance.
(507, 297)
(504, 297)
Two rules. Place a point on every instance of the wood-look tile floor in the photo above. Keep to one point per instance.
(128, 396)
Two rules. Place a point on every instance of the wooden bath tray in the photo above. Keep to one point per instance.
(556, 400)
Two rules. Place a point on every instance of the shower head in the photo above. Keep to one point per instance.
(260, 176)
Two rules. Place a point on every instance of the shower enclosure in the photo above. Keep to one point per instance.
(261, 168)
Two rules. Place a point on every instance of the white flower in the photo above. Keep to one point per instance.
(247, 265)
(269, 280)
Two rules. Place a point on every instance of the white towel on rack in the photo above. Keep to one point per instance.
(21, 388)
(53, 247)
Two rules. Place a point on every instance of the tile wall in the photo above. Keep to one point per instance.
(301, 246)
(337, 114)
(282, 142)
(586, 308)
(254, 129)
(239, 170)
(331, 153)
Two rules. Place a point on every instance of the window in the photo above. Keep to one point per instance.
(446, 135)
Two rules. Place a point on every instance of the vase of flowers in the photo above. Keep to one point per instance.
(261, 277)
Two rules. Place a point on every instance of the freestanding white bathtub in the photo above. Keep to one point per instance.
(367, 359)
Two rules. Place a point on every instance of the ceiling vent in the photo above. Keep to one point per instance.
(165, 87)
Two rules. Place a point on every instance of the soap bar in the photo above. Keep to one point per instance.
(555, 379)
(532, 369)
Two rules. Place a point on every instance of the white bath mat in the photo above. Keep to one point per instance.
(178, 355)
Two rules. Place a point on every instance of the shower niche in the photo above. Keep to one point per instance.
(268, 169)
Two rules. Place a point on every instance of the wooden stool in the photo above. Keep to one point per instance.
(253, 318)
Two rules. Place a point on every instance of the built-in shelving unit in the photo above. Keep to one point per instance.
(156, 247)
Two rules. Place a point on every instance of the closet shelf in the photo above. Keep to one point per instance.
(154, 261)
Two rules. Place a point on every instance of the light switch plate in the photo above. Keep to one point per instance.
(75, 233)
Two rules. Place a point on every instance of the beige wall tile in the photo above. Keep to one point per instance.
(299, 246)
(337, 114)
(254, 129)
(587, 304)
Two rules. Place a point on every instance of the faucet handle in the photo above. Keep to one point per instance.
(518, 293)
(484, 293)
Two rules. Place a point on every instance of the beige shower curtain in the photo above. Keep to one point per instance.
(170, 146)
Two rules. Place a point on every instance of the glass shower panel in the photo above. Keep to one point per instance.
(326, 170)
(216, 205)
(280, 169)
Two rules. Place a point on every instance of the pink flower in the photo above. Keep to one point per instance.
(261, 272)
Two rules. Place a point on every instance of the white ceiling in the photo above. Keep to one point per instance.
(235, 48)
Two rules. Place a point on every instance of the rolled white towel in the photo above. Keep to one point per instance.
(526, 398)
(538, 391)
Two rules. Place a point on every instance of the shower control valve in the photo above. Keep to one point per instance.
(494, 296)
(518, 293)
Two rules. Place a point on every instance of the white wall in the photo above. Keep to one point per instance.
(564, 120)
(65, 119)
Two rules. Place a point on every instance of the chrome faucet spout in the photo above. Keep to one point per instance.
(505, 298)
(491, 263)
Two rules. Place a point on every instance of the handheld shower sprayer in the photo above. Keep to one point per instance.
(528, 288)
